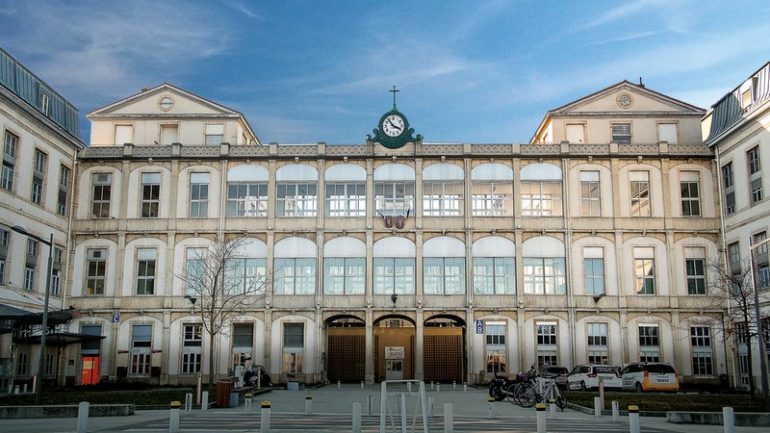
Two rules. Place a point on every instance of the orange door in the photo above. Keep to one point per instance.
(89, 375)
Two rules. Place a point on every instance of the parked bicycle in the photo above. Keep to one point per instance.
(539, 390)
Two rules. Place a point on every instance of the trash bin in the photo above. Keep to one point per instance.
(223, 392)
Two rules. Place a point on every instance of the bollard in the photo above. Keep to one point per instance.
(247, 402)
(431, 385)
(173, 416)
(430, 406)
(403, 412)
(83, 417)
(449, 426)
(728, 419)
(540, 408)
(362, 385)
(339, 385)
(409, 387)
(615, 410)
(357, 417)
(205, 400)
(438, 387)
(16, 389)
(552, 409)
(264, 418)
(369, 404)
(465, 387)
(198, 389)
(491, 407)
(24, 389)
(188, 399)
(454, 385)
(597, 406)
(633, 419)
(308, 404)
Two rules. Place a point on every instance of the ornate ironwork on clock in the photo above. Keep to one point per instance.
(393, 130)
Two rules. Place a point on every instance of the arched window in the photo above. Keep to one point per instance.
(245, 271)
(492, 190)
(494, 266)
(442, 190)
(296, 191)
(394, 266)
(344, 266)
(247, 191)
(443, 266)
(544, 266)
(393, 189)
(541, 190)
(345, 191)
(294, 267)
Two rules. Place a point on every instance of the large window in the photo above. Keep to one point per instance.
(644, 270)
(294, 276)
(590, 194)
(593, 270)
(64, 188)
(243, 343)
(393, 275)
(443, 275)
(30, 267)
(150, 195)
(755, 174)
(495, 348)
(734, 257)
(38, 176)
(344, 275)
(5, 237)
(56, 270)
(96, 271)
(442, 198)
(346, 199)
(544, 276)
(246, 199)
(492, 190)
(494, 275)
(598, 352)
(199, 195)
(145, 270)
(293, 347)
(141, 350)
(728, 182)
(393, 197)
(191, 348)
(640, 193)
(700, 339)
(296, 199)
(621, 133)
(245, 275)
(547, 344)
(10, 143)
(195, 270)
(215, 134)
(695, 269)
(101, 194)
(690, 192)
(649, 345)
(540, 198)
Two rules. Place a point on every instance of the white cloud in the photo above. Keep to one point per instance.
(620, 12)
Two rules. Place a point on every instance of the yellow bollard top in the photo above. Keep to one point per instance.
(248, 395)
(633, 408)
(540, 406)
(265, 404)
(176, 404)
(491, 399)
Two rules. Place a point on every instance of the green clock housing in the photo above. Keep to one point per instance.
(393, 130)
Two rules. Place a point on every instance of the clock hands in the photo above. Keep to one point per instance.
(393, 124)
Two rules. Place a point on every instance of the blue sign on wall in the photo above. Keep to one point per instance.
(479, 326)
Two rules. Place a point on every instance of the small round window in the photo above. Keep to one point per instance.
(166, 103)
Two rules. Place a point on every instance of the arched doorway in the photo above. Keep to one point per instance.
(394, 348)
(345, 349)
(444, 349)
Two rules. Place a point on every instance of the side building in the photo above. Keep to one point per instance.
(399, 258)
(41, 136)
(737, 128)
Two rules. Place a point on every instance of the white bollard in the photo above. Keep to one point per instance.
(403, 412)
(597, 406)
(264, 417)
(362, 385)
(357, 417)
(465, 387)
(432, 385)
(409, 387)
(615, 411)
(308, 404)
(247, 402)
(173, 417)
(728, 419)
(540, 408)
(491, 407)
(454, 385)
(438, 387)
(16, 389)
(188, 399)
(369, 404)
(83, 417)
(601, 391)
(449, 424)
(339, 385)
(633, 419)
(552, 410)
(431, 402)
(205, 400)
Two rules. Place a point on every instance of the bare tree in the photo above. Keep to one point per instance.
(221, 281)
(737, 300)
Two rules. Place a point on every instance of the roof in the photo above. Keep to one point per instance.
(728, 112)
(168, 86)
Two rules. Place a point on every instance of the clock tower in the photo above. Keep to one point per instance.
(393, 130)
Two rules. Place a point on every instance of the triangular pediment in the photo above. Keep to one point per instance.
(626, 97)
(148, 102)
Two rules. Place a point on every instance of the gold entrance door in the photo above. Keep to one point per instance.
(443, 350)
(345, 350)
(394, 348)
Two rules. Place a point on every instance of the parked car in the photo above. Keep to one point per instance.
(587, 377)
(653, 376)
(558, 374)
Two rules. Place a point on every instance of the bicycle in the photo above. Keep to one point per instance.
(538, 391)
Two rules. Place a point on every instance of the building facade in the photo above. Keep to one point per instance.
(399, 259)
(737, 128)
(41, 136)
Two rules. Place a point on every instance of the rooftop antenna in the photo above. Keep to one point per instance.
(641, 83)
(394, 91)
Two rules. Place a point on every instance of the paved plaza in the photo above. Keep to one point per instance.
(332, 409)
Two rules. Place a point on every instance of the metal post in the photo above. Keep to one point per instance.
(438, 387)
(264, 418)
(409, 386)
(601, 392)
(597, 406)
(448, 418)
(188, 402)
(403, 412)
(339, 385)
(615, 411)
(540, 408)
(83, 417)
(198, 389)
(369, 404)
(24, 389)
(430, 406)
(362, 385)
(491, 407)
(44, 331)
(357, 417)
(308, 404)
(173, 416)
(247, 402)
(205, 400)
(465, 387)
(760, 335)
(454, 385)
(633, 419)
(728, 419)
(552, 409)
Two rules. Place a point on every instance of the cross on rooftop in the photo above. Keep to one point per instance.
(394, 91)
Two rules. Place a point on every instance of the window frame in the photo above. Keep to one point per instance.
(347, 204)
(507, 279)
(401, 281)
(441, 280)
(237, 206)
(199, 207)
(638, 199)
(146, 271)
(352, 285)
(10, 150)
(150, 195)
(292, 204)
(624, 138)
(96, 278)
(448, 204)
(102, 187)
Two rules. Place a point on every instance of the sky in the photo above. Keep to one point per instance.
(304, 71)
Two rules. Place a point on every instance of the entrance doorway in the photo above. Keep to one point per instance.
(89, 373)
(394, 348)
(345, 349)
(444, 349)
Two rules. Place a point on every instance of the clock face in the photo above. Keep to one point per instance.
(393, 125)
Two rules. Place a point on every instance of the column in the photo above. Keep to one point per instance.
(369, 367)
(419, 337)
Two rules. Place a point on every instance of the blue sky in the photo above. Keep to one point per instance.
(469, 71)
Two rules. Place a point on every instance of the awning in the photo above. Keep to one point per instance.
(58, 339)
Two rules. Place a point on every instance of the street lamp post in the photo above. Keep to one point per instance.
(758, 320)
(44, 330)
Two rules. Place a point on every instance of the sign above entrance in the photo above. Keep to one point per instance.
(479, 326)
(394, 352)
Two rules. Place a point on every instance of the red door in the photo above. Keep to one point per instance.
(89, 375)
